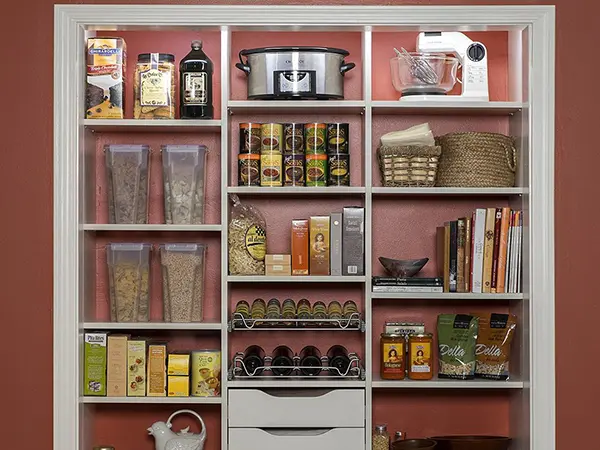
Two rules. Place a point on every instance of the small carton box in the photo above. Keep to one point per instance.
(300, 259)
(136, 361)
(179, 364)
(282, 260)
(116, 369)
(353, 241)
(156, 380)
(178, 386)
(319, 245)
(275, 270)
(94, 370)
(336, 244)
(105, 81)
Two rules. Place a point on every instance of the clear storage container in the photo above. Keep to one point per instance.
(127, 170)
(129, 281)
(183, 281)
(184, 167)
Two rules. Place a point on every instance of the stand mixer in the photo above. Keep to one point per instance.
(472, 56)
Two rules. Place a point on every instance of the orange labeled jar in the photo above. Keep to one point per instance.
(420, 356)
(392, 356)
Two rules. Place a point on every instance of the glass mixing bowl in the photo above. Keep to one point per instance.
(426, 73)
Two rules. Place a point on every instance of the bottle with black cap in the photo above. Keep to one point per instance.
(254, 360)
(310, 361)
(195, 89)
(282, 362)
(338, 358)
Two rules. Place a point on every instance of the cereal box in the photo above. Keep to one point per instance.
(94, 370)
(136, 373)
(319, 245)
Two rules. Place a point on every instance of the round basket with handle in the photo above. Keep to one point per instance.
(476, 159)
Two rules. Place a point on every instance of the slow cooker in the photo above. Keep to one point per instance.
(279, 73)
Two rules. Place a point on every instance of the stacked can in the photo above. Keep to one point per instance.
(338, 155)
(315, 138)
(249, 155)
(293, 154)
(271, 158)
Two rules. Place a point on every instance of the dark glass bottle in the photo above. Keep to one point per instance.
(282, 362)
(254, 360)
(195, 88)
(338, 358)
(310, 360)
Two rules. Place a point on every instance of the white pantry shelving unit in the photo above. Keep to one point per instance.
(528, 113)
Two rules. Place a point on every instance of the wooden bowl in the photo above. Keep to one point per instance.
(414, 444)
(472, 442)
(402, 268)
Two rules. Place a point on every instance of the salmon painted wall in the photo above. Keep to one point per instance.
(26, 229)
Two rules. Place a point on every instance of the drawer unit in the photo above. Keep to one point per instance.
(303, 408)
(293, 439)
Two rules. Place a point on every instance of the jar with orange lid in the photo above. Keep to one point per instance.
(393, 356)
(420, 356)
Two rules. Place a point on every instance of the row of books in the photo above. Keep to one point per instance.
(482, 253)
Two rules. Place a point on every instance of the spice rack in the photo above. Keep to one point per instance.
(522, 407)
(352, 323)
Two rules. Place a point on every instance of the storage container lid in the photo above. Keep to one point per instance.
(252, 51)
(163, 57)
(126, 148)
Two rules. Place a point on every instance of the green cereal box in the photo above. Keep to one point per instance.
(94, 371)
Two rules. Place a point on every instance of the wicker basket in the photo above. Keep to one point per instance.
(476, 160)
(408, 165)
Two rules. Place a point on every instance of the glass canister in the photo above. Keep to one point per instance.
(154, 86)
(381, 438)
(420, 356)
(392, 356)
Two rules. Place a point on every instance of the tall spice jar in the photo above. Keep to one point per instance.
(393, 356)
(420, 356)
(381, 438)
(338, 155)
(154, 86)
(271, 158)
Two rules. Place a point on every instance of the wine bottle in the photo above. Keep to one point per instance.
(254, 360)
(282, 362)
(338, 358)
(195, 89)
(310, 361)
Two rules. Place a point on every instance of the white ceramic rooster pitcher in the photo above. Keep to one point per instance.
(166, 439)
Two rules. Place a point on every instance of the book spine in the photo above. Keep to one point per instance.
(417, 282)
(497, 227)
(440, 233)
(509, 252)
(488, 249)
(513, 249)
(519, 252)
(502, 252)
(447, 257)
(407, 289)
(453, 255)
(478, 244)
(460, 255)
(468, 250)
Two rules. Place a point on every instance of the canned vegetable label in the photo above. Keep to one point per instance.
(339, 169)
(293, 137)
(315, 136)
(337, 137)
(294, 169)
(270, 169)
(248, 169)
(316, 170)
(250, 137)
(271, 137)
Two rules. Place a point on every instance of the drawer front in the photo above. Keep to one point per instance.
(304, 408)
(291, 439)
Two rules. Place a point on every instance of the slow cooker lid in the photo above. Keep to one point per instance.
(252, 51)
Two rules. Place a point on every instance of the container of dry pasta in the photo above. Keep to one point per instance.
(184, 168)
(410, 165)
(129, 281)
(182, 268)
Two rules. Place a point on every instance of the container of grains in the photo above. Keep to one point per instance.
(315, 137)
(129, 281)
(250, 138)
(392, 356)
(183, 281)
(420, 356)
(184, 168)
(293, 138)
(248, 169)
(154, 86)
(316, 170)
(381, 438)
(337, 137)
(338, 169)
(127, 172)
(293, 169)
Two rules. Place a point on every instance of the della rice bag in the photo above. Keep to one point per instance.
(495, 335)
(457, 338)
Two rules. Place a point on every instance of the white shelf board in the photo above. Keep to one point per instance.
(330, 382)
(446, 384)
(295, 190)
(444, 296)
(447, 191)
(151, 326)
(300, 106)
(440, 107)
(152, 400)
(291, 279)
(149, 227)
(150, 125)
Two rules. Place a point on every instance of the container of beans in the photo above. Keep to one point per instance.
(250, 138)
(338, 169)
(293, 169)
(420, 356)
(248, 169)
(315, 138)
(154, 86)
(392, 356)
(316, 169)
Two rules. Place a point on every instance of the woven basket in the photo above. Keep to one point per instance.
(476, 160)
(408, 165)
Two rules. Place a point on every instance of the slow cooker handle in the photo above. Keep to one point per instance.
(346, 67)
(243, 66)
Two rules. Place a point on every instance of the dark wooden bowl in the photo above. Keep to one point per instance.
(414, 444)
(402, 268)
(472, 442)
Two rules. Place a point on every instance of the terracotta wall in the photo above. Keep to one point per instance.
(26, 230)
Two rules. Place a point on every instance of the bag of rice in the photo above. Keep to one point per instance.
(495, 335)
(457, 337)
(247, 239)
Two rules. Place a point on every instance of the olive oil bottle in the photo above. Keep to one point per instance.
(196, 72)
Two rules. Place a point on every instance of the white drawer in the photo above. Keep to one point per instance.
(315, 439)
(303, 408)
